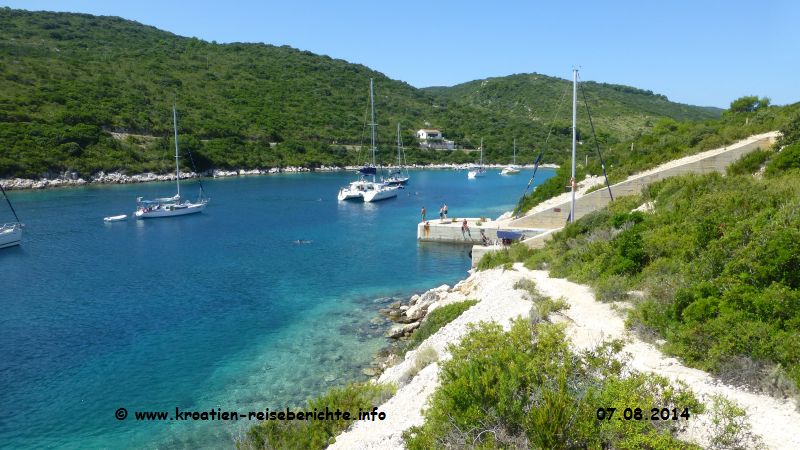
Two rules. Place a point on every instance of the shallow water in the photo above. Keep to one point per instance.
(223, 309)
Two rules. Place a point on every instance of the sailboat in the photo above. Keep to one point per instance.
(397, 177)
(10, 233)
(363, 189)
(170, 206)
(478, 171)
(513, 169)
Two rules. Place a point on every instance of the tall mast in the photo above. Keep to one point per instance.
(573, 183)
(9, 203)
(398, 144)
(177, 163)
(481, 153)
(515, 151)
(372, 123)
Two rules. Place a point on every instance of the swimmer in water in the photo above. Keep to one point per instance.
(301, 241)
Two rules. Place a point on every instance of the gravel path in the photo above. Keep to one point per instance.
(589, 322)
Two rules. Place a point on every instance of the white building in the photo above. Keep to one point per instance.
(433, 139)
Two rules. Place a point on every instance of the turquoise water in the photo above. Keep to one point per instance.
(216, 310)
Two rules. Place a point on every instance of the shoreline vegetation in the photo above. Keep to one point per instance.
(68, 180)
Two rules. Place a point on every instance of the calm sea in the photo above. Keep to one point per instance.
(222, 309)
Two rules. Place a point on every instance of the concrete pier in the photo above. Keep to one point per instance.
(450, 230)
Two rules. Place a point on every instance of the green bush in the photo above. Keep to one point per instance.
(438, 318)
(788, 158)
(525, 389)
(317, 434)
(749, 163)
(515, 253)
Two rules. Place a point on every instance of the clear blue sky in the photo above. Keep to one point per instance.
(696, 51)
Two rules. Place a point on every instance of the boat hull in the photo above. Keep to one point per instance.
(380, 194)
(402, 181)
(349, 194)
(192, 208)
(509, 171)
(10, 236)
(476, 174)
(116, 218)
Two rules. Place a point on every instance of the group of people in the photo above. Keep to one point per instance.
(442, 213)
(465, 231)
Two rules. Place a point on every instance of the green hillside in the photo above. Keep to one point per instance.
(67, 81)
(619, 110)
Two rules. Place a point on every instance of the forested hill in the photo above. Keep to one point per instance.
(616, 109)
(67, 81)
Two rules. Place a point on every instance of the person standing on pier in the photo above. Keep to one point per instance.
(444, 210)
(423, 214)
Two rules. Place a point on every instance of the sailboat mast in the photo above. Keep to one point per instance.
(481, 153)
(372, 123)
(399, 161)
(573, 183)
(9, 203)
(515, 151)
(177, 163)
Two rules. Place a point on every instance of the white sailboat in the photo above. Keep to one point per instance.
(513, 169)
(398, 177)
(479, 171)
(362, 189)
(10, 233)
(170, 206)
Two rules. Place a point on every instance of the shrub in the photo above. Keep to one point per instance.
(749, 163)
(788, 158)
(317, 434)
(611, 288)
(525, 389)
(436, 319)
(515, 253)
(730, 428)
(424, 357)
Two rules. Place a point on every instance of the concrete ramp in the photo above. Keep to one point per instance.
(550, 220)
(706, 162)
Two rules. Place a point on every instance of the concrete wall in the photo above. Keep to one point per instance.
(556, 217)
(451, 232)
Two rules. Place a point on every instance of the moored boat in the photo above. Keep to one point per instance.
(171, 206)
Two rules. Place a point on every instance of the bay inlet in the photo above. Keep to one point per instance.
(262, 301)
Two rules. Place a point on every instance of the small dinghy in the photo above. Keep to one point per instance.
(118, 218)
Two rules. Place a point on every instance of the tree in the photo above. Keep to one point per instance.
(749, 103)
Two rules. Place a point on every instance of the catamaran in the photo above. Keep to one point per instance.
(171, 206)
(10, 233)
(478, 171)
(513, 169)
(363, 189)
(397, 177)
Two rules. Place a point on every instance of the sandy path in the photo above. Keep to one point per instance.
(777, 422)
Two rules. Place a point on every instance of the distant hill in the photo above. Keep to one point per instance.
(67, 81)
(619, 110)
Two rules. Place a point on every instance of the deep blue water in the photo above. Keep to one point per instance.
(215, 310)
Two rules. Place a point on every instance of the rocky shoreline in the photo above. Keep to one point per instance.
(71, 179)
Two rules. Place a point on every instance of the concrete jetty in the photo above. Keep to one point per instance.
(540, 226)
